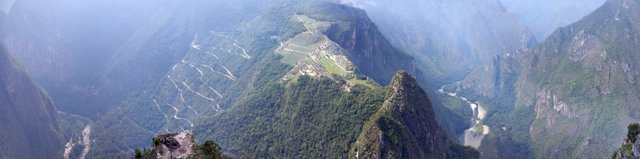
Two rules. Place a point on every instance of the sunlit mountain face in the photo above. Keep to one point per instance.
(319, 79)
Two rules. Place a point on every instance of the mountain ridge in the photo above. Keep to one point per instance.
(405, 127)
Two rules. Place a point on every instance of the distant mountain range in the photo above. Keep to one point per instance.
(570, 96)
(299, 79)
(545, 16)
(439, 32)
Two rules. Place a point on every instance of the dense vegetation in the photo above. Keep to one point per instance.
(630, 147)
(304, 119)
(632, 132)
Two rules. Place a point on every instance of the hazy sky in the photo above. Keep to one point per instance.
(5, 5)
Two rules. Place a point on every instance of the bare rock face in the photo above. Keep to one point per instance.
(175, 145)
(584, 45)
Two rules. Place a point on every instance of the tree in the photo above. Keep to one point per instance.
(155, 141)
(634, 130)
(211, 150)
(138, 153)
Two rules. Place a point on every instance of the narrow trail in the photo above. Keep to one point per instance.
(199, 48)
(217, 107)
(188, 105)
(181, 94)
(212, 54)
(166, 117)
(201, 78)
(244, 54)
(175, 84)
(175, 116)
(244, 51)
(229, 72)
(228, 75)
(220, 34)
(211, 88)
(194, 67)
(160, 110)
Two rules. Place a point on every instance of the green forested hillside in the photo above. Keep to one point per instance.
(292, 79)
(307, 118)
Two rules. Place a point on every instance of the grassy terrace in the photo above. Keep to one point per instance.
(301, 46)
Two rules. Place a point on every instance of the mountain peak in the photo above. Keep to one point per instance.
(408, 96)
(403, 79)
(405, 127)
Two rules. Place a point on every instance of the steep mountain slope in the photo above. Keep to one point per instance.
(451, 41)
(405, 127)
(545, 16)
(29, 127)
(448, 38)
(567, 97)
(92, 54)
(241, 66)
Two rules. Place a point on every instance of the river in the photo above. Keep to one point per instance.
(473, 136)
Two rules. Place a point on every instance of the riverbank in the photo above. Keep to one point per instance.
(474, 135)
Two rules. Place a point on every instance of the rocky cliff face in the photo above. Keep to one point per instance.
(448, 38)
(368, 48)
(577, 84)
(405, 127)
(180, 145)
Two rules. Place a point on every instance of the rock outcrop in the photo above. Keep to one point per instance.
(630, 149)
(180, 145)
